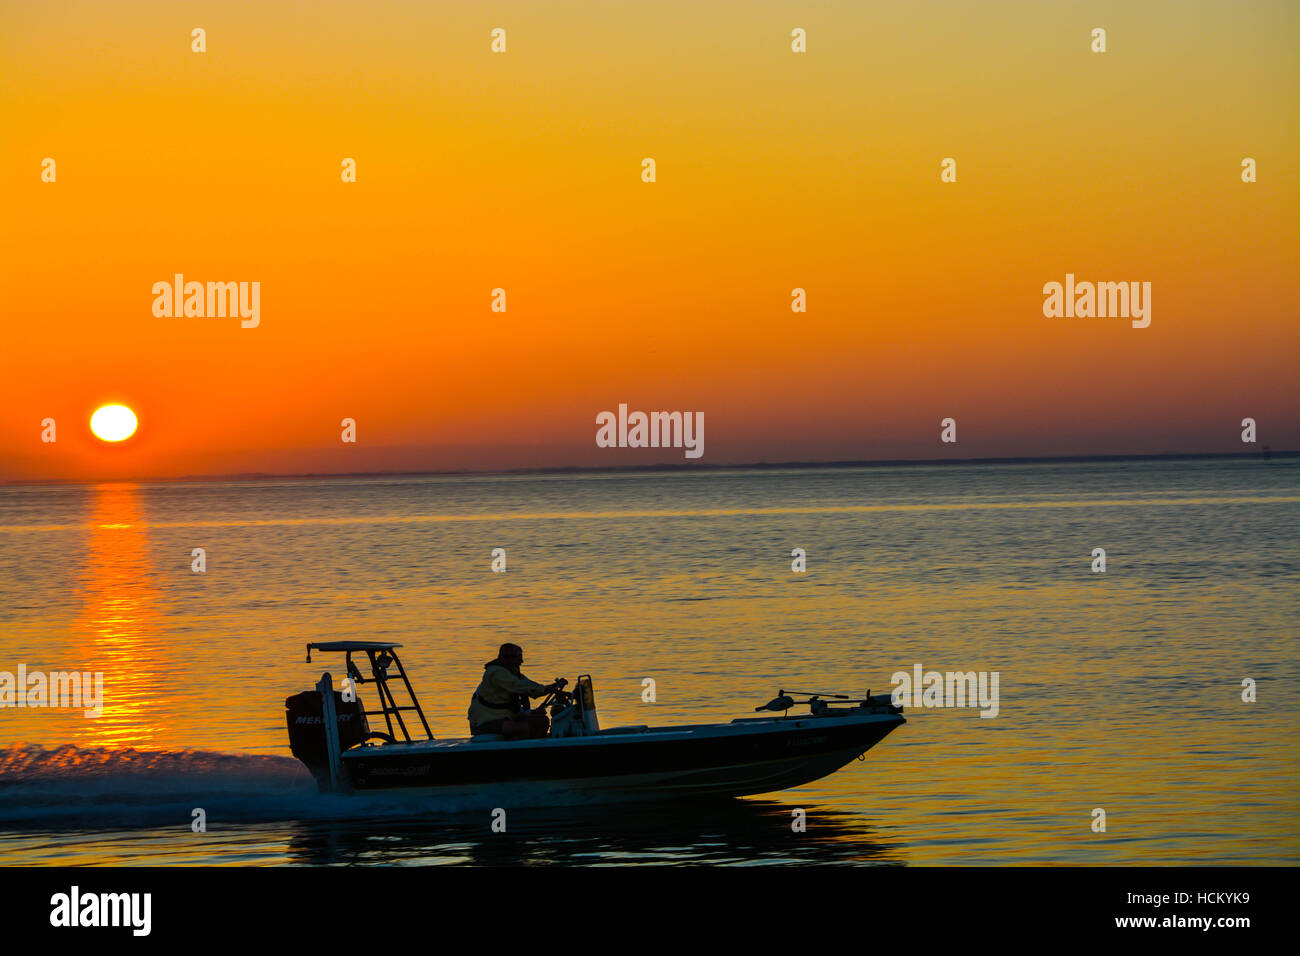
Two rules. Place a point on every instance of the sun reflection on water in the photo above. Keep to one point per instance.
(119, 628)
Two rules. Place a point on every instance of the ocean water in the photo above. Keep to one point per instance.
(1119, 690)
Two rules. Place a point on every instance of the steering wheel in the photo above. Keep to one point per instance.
(558, 696)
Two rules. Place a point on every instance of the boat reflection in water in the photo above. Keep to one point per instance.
(747, 831)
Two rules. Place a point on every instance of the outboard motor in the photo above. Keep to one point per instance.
(307, 736)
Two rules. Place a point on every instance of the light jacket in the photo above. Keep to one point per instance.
(499, 687)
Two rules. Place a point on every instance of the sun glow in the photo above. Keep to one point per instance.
(113, 422)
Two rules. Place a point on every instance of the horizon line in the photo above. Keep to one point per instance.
(1264, 453)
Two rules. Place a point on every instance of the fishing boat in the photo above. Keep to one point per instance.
(331, 732)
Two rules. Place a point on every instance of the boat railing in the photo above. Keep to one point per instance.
(381, 657)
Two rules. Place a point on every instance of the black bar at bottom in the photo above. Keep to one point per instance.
(825, 905)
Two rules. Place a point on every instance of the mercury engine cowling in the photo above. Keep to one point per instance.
(307, 738)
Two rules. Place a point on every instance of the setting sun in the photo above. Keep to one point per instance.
(113, 422)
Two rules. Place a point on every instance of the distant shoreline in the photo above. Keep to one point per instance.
(1262, 455)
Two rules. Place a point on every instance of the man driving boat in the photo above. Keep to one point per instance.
(500, 704)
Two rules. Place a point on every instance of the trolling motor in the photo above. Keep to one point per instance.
(820, 704)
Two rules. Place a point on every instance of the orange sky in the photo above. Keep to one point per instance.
(522, 171)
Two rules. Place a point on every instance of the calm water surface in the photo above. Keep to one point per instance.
(1119, 690)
